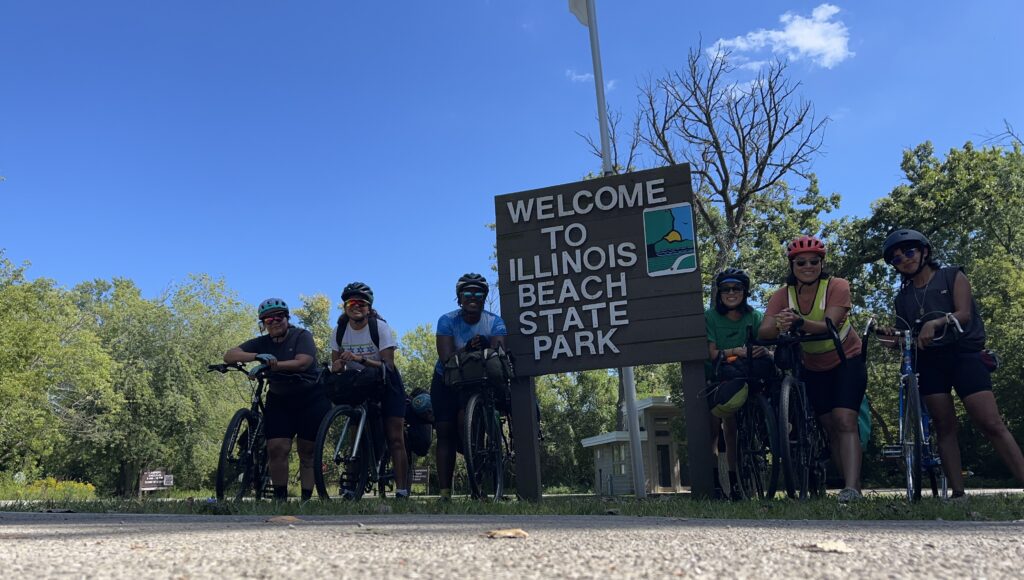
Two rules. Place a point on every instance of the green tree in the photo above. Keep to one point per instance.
(315, 316)
(52, 370)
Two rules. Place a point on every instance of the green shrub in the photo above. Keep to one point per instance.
(46, 489)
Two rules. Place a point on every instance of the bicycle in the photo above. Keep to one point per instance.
(803, 445)
(486, 441)
(756, 431)
(917, 447)
(243, 454)
(756, 441)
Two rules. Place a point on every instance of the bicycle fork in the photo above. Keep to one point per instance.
(349, 473)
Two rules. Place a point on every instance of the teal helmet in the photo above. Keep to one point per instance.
(272, 305)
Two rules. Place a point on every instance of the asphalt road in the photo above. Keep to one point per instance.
(40, 545)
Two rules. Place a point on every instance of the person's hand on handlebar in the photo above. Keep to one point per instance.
(928, 332)
(475, 343)
(256, 370)
(788, 320)
(267, 359)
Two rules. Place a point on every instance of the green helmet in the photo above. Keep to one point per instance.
(357, 289)
(270, 305)
(728, 398)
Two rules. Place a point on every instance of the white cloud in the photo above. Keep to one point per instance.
(610, 85)
(576, 77)
(820, 38)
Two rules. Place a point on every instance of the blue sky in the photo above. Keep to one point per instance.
(292, 147)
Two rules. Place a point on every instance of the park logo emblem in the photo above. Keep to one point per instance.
(668, 233)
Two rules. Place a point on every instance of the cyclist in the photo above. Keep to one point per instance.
(835, 389)
(295, 403)
(363, 339)
(727, 321)
(949, 355)
(470, 327)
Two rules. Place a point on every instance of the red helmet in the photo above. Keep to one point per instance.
(805, 244)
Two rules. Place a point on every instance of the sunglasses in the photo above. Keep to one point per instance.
(730, 289)
(478, 295)
(802, 263)
(907, 253)
(272, 319)
(354, 303)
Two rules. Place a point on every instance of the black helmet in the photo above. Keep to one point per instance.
(734, 274)
(471, 280)
(357, 289)
(271, 305)
(900, 237)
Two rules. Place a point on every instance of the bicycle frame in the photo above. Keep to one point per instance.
(379, 474)
(930, 460)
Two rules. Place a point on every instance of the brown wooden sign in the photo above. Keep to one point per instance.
(601, 273)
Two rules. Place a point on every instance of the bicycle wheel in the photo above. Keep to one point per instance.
(235, 468)
(483, 449)
(338, 470)
(758, 463)
(790, 428)
(913, 439)
(819, 455)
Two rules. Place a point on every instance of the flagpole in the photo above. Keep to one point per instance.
(625, 373)
(602, 108)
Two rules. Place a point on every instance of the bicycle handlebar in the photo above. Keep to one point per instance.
(224, 368)
(789, 339)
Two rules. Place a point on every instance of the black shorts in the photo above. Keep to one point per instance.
(941, 370)
(842, 387)
(445, 402)
(297, 414)
(392, 403)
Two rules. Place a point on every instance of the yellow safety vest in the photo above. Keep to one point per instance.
(818, 314)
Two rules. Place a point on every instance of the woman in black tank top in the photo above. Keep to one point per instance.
(939, 302)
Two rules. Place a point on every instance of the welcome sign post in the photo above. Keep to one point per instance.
(601, 274)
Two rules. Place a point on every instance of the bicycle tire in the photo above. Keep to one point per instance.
(336, 465)
(789, 429)
(913, 439)
(236, 465)
(759, 464)
(483, 450)
(819, 456)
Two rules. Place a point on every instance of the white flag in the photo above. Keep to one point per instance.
(579, 8)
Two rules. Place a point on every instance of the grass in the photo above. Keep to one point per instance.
(977, 508)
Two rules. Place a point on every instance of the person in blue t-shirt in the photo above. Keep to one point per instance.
(468, 328)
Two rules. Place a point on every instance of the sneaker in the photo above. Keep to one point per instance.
(849, 495)
(957, 498)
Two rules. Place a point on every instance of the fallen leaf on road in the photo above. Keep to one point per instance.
(829, 546)
(283, 520)
(509, 533)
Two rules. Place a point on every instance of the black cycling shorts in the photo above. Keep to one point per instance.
(940, 370)
(842, 387)
(297, 414)
(445, 401)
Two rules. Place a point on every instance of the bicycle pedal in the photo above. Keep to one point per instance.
(892, 451)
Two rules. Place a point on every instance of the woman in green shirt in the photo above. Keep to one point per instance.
(727, 367)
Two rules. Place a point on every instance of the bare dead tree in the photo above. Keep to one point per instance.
(740, 140)
(614, 121)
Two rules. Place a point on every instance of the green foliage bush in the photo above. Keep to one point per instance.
(46, 489)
